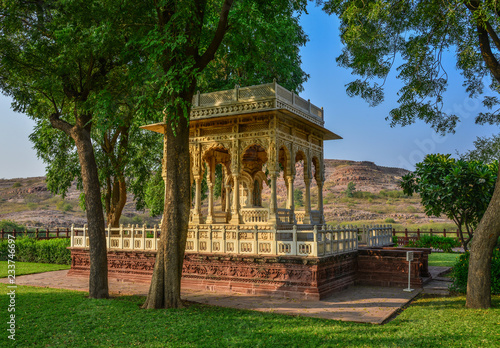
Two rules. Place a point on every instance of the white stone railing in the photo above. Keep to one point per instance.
(318, 241)
(266, 96)
(254, 215)
(286, 216)
(315, 216)
(378, 235)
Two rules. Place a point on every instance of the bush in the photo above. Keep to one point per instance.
(461, 271)
(43, 251)
(17, 184)
(9, 226)
(64, 206)
(445, 244)
(390, 221)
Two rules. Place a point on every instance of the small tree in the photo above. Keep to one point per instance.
(298, 198)
(351, 187)
(459, 189)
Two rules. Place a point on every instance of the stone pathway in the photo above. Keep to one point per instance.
(439, 284)
(362, 304)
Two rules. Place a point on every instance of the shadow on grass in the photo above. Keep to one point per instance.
(52, 317)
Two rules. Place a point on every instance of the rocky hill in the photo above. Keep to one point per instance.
(378, 198)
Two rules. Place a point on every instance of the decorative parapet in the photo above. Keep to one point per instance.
(264, 97)
(318, 241)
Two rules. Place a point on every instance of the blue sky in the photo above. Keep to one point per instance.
(367, 135)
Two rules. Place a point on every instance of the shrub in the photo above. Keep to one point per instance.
(17, 184)
(445, 244)
(44, 251)
(390, 221)
(461, 271)
(9, 226)
(64, 206)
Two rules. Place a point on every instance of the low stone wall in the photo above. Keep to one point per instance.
(388, 267)
(293, 277)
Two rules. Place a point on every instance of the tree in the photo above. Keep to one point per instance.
(56, 62)
(179, 40)
(459, 189)
(351, 187)
(378, 34)
(298, 197)
(485, 150)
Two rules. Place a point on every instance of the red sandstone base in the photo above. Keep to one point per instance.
(292, 277)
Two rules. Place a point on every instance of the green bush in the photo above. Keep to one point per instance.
(9, 226)
(44, 251)
(17, 184)
(445, 244)
(390, 221)
(461, 270)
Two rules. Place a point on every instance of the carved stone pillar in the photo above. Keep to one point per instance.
(307, 203)
(273, 204)
(290, 201)
(320, 201)
(228, 202)
(197, 200)
(210, 216)
(235, 218)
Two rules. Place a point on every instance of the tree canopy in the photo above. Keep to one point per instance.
(460, 190)
(414, 35)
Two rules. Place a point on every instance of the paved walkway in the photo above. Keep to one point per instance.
(362, 304)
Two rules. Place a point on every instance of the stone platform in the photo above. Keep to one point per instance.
(275, 276)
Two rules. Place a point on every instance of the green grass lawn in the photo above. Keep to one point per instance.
(30, 267)
(443, 259)
(61, 318)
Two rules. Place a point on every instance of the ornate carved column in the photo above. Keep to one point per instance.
(228, 202)
(290, 202)
(307, 201)
(235, 218)
(273, 204)
(320, 202)
(210, 215)
(197, 200)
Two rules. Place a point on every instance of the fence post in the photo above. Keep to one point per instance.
(418, 233)
(143, 237)
(109, 237)
(444, 232)
(406, 233)
(36, 233)
(72, 235)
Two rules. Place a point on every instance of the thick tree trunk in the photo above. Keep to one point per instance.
(164, 291)
(481, 250)
(98, 279)
(116, 202)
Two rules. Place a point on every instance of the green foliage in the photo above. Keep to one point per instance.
(446, 244)
(461, 270)
(443, 259)
(17, 184)
(44, 251)
(410, 37)
(298, 198)
(351, 187)
(9, 226)
(460, 190)
(390, 221)
(485, 150)
(62, 205)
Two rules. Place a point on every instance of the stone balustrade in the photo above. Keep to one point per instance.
(318, 241)
(254, 215)
(263, 97)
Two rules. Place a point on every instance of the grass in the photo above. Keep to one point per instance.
(29, 268)
(62, 318)
(443, 259)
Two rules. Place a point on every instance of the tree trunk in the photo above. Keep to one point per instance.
(165, 288)
(481, 251)
(98, 279)
(116, 202)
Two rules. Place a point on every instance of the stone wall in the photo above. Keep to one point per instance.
(388, 267)
(294, 277)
